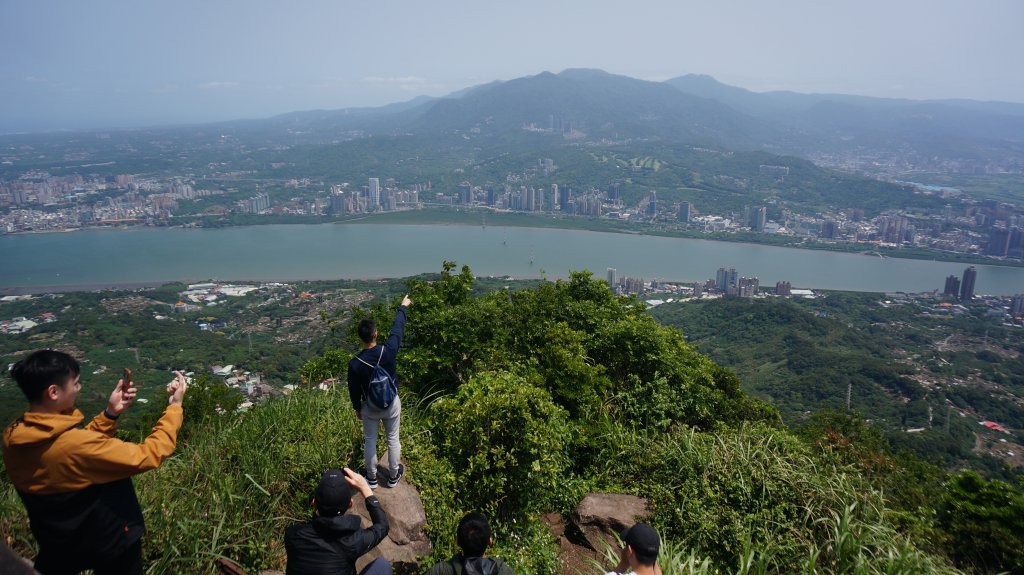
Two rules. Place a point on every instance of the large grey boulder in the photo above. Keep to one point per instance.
(601, 516)
(406, 542)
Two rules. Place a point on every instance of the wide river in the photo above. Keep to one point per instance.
(31, 262)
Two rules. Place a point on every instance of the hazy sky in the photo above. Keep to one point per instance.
(103, 63)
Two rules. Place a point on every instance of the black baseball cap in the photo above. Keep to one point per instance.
(333, 494)
(643, 539)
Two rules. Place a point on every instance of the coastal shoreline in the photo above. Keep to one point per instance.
(443, 218)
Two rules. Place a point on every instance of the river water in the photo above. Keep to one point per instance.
(329, 251)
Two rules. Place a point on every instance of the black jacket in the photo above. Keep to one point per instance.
(331, 545)
(91, 525)
(359, 373)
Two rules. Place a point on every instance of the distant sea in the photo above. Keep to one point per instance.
(143, 256)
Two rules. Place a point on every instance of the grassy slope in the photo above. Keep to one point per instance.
(234, 486)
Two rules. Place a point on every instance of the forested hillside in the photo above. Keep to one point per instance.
(519, 402)
(923, 376)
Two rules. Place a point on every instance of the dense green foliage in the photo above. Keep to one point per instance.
(507, 441)
(804, 355)
(519, 402)
(985, 521)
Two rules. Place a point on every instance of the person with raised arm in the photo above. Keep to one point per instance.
(332, 540)
(373, 389)
(76, 482)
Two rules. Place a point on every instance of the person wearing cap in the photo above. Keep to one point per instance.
(332, 541)
(474, 537)
(639, 555)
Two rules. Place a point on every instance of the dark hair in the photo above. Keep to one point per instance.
(41, 369)
(474, 535)
(367, 327)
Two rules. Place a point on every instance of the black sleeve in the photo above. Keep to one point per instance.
(394, 340)
(355, 389)
(370, 537)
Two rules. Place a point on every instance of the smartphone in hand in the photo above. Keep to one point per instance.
(126, 375)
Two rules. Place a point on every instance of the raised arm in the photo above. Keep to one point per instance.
(394, 340)
(370, 537)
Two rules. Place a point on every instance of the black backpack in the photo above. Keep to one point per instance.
(382, 389)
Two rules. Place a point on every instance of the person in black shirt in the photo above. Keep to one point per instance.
(360, 371)
(473, 537)
(331, 542)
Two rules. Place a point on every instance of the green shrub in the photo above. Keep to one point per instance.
(985, 520)
(506, 441)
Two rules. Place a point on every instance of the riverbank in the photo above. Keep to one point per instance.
(520, 219)
(484, 217)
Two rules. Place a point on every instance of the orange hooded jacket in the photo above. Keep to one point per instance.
(75, 483)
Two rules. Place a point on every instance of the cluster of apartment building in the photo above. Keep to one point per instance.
(41, 201)
(19, 325)
(375, 197)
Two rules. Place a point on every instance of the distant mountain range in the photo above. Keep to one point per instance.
(592, 105)
(582, 106)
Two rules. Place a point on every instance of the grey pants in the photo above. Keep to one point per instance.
(372, 418)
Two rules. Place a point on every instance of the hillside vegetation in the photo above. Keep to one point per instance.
(518, 403)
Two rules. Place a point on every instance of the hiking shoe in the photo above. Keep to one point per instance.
(372, 482)
(393, 481)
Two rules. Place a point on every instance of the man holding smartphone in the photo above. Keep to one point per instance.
(75, 482)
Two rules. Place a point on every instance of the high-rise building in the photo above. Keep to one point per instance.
(967, 284)
(652, 203)
(828, 230)
(337, 204)
(783, 288)
(1017, 305)
(952, 287)
(1016, 245)
(748, 287)
(555, 200)
(465, 193)
(758, 218)
(684, 212)
(613, 191)
(725, 278)
(374, 192)
(998, 242)
(611, 278)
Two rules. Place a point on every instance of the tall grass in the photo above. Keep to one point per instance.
(754, 499)
(235, 485)
(853, 548)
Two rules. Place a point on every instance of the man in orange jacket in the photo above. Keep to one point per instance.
(76, 482)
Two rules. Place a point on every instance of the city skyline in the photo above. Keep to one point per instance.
(106, 64)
